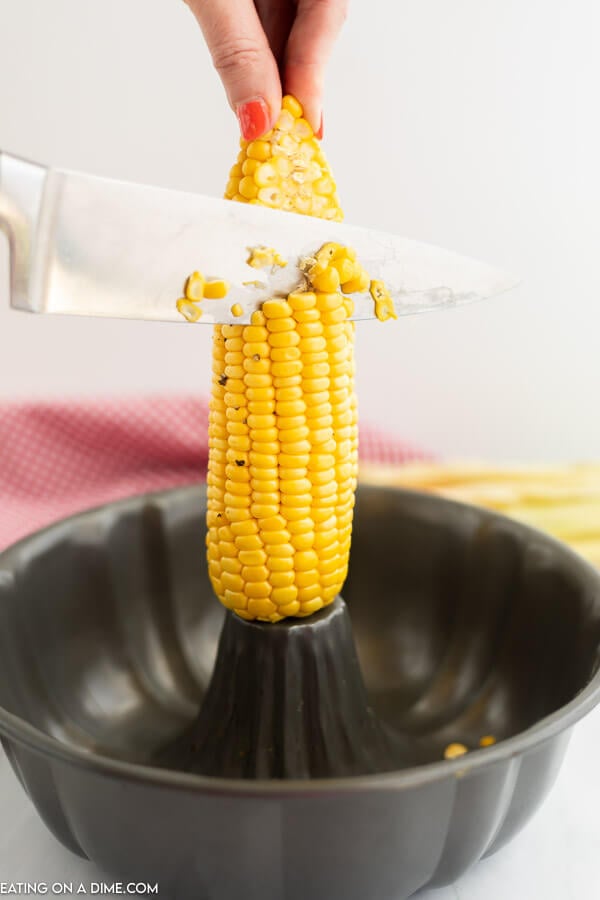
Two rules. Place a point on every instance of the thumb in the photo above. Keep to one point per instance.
(242, 57)
(310, 43)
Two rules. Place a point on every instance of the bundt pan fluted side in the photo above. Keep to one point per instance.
(466, 624)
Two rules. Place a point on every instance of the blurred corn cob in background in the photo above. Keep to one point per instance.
(563, 500)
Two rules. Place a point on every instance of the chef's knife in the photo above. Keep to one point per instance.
(83, 245)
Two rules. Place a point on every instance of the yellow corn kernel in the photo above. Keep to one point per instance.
(248, 542)
(286, 370)
(252, 557)
(249, 167)
(280, 551)
(304, 541)
(253, 334)
(248, 187)
(384, 304)
(258, 574)
(289, 425)
(194, 286)
(453, 751)
(265, 175)
(290, 104)
(308, 607)
(297, 514)
(260, 150)
(356, 285)
(325, 538)
(256, 589)
(324, 186)
(231, 599)
(327, 281)
(289, 381)
(262, 257)
(309, 593)
(282, 578)
(275, 538)
(280, 326)
(232, 580)
(280, 563)
(216, 290)
(262, 609)
(188, 310)
(277, 309)
(244, 527)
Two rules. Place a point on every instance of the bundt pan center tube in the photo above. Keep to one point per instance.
(285, 701)
(319, 742)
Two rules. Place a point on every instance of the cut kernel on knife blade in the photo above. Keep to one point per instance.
(216, 290)
(262, 257)
(384, 304)
(196, 289)
(188, 309)
(333, 268)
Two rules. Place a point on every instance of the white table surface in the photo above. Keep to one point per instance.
(556, 857)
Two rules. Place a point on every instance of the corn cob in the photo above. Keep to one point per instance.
(286, 169)
(283, 442)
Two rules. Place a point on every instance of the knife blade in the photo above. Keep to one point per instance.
(90, 246)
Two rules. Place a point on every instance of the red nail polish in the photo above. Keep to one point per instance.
(319, 132)
(254, 119)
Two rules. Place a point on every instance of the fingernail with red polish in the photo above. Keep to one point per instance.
(254, 119)
(319, 131)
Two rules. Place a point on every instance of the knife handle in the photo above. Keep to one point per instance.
(21, 191)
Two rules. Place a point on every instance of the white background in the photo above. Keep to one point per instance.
(472, 124)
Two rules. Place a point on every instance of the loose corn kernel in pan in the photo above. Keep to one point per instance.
(237, 310)
(487, 740)
(453, 751)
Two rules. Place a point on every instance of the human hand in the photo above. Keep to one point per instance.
(264, 48)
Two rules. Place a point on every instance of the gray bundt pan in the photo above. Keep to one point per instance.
(466, 624)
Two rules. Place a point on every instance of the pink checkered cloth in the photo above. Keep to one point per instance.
(62, 457)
